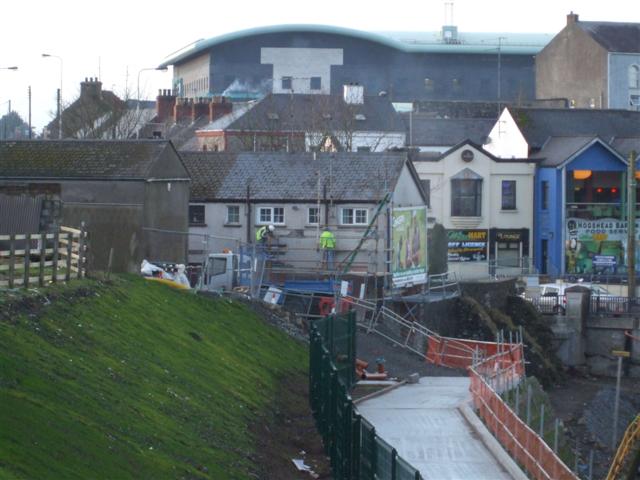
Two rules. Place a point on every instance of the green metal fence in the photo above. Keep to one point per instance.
(356, 452)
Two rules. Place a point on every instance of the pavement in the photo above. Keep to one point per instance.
(424, 423)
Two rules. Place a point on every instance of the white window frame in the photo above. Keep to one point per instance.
(354, 214)
(270, 218)
(317, 214)
(229, 222)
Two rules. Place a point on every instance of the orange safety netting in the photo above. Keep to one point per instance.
(459, 353)
(524, 445)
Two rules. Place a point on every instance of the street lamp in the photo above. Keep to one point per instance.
(48, 55)
(160, 69)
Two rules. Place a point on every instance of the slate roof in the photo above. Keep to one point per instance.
(613, 36)
(354, 177)
(558, 149)
(81, 159)
(539, 124)
(625, 145)
(428, 131)
(312, 113)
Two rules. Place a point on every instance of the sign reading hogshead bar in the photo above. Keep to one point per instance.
(596, 246)
(409, 240)
(467, 245)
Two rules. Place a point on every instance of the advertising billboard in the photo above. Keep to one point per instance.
(409, 246)
(467, 245)
(597, 246)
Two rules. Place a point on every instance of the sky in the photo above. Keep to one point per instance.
(116, 40)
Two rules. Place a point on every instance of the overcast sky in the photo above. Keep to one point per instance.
(115, 40)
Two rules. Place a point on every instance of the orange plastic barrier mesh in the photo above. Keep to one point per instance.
(524, 445)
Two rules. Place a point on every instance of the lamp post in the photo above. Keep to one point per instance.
(48, 55)
(160, 69)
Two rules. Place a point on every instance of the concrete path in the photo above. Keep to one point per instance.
(422, 422)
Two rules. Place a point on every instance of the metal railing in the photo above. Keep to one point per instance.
(600, 305)
(355, 449)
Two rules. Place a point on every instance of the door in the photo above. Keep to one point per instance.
(544, 254)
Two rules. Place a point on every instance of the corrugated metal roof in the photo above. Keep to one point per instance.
(418, 42)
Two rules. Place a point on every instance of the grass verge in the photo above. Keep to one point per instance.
(135, 380)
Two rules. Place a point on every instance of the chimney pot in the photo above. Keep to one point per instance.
(572, 18)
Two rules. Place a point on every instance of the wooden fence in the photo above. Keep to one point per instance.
(38, 258)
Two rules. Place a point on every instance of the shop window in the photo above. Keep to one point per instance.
(508, 195)
(466, 197)
(196, 215)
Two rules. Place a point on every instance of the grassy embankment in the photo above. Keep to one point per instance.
(135, 380)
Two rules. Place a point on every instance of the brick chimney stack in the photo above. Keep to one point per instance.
(183, 109)
(90, 88)
(200, 108)
(165, 101)
(219, 107)
(572, 18)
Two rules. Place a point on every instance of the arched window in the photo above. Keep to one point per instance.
(634, 76)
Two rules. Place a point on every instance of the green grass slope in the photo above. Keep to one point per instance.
(136, 380)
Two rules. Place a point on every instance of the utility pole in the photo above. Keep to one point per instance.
(631, 228)
(29, 112)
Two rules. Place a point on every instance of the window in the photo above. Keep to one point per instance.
(429, 84)
(545, 195)
(286, 83)
(316, 83)
(196, 215)
(634, 102)
(313, 216)
(634, 76)
(363, 149)
(360, 117)
(508, 195)
(273, 215)
(466, 197)
(217, 267)
(355, 216)
(426, 186)
(233, 213)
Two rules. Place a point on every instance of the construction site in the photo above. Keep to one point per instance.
(401, 353)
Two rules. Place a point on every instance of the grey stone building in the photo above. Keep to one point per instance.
(592, 65)
(117, 188)
(233, 195)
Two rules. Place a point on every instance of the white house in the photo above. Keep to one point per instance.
(232, 195)
(484, 202)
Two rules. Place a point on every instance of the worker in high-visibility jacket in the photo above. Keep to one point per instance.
(328, 247)
(263, 237)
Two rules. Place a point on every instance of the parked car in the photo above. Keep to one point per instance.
(553, 299)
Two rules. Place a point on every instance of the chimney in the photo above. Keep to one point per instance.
(354, 94)
(182, 110)
(572, 18)
(90, 88)
(165, 101)
(219, 107)
(200, 108)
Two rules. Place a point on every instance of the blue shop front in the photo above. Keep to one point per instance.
(580, 224)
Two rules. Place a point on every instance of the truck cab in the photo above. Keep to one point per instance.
(220, 272)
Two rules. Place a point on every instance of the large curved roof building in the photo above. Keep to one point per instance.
(321, 59)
